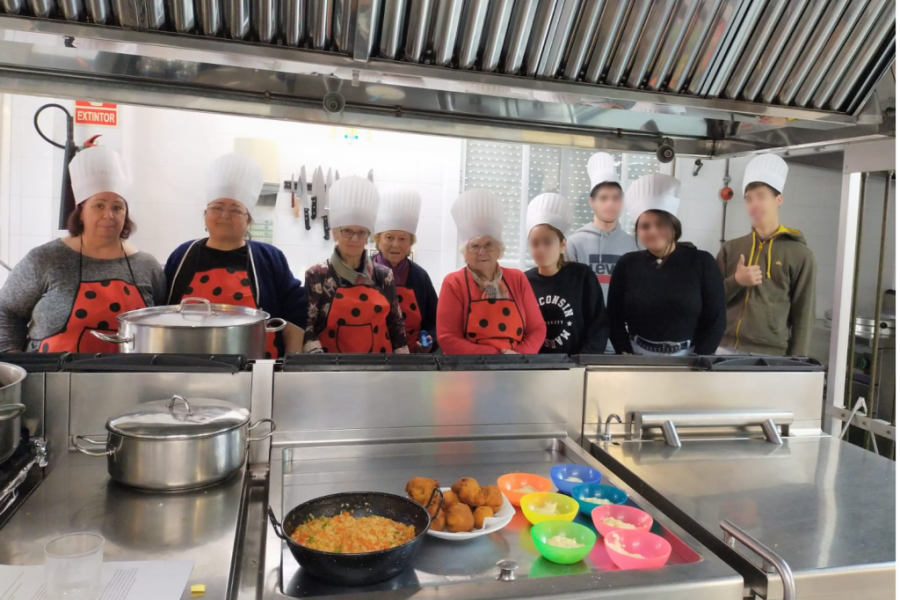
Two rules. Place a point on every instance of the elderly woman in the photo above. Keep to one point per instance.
(484, 309)
(63, 290)
(395, 234)
(228, 268)
(353, 304)
(667, 300)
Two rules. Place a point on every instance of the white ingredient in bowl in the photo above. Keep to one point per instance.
(615, 543)
(548, 508)
(614, 522)
(603, 501)
(573, 479)
(526, 490)
(561, 541)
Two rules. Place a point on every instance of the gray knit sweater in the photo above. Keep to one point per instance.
(38, 296)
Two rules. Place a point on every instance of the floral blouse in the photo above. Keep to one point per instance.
(322, 282)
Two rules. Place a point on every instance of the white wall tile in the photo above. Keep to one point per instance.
(36, 215)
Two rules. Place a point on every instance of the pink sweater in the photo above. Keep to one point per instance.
(453, 306)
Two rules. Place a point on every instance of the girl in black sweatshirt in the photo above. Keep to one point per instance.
(670, 298)
(568, 294)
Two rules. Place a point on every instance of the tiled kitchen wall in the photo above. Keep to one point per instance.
(170, 150)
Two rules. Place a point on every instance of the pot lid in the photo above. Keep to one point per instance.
(180, 418)
(204, 314)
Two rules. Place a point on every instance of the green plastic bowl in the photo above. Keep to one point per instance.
(542, 532)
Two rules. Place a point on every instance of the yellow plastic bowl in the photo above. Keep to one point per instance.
(566, 507)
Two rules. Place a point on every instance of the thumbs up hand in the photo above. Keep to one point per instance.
(748, 276)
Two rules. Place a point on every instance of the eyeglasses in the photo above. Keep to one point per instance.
(234, 213)
(359, 234)
(477, 248)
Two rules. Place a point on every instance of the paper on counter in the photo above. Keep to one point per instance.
(135, 580)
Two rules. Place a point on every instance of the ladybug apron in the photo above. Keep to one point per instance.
(494, 322)
(227, 285)
(95, 308)
(357, 322)
(412, 316)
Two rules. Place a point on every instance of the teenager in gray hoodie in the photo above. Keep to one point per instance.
(601, 243)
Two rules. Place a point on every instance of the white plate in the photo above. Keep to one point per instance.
(500, 520)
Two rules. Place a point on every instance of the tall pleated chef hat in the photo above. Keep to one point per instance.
(399, 210)
(353, 201)
(99, 169)
(550, 209)
(768, 169)
(234, 176)
(601, 167)
(477, 213)
(653, 192)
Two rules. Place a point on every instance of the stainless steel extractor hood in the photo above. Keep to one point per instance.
(718, 77)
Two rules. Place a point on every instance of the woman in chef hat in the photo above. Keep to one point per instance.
(395, 234)
(64, 290)
(228, 268)
(353, 305)
(568, 293)
(485, 309)
(669, 299)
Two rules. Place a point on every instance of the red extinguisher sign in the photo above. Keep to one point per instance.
(96, 113)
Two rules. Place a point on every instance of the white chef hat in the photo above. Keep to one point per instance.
(399, 209)
(766, 168)
(99, 169)
(234, 176)
(353, 201)
(549, 209)
(601, 167)
(654, 191)
(477, 213)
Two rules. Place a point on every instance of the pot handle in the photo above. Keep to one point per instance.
(440, 504)
(11, 411)
(114, 338)
(279, 530)
(84, 450)
(273, 328)
(194, 299)
(184, 401)
(265, 435)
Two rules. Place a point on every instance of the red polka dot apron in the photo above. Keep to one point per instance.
(357, 322)
(227, 286)
(412, 316)
(95, 308)
(494, 322)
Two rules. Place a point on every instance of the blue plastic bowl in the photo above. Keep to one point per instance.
(559, 473)
(596, 490)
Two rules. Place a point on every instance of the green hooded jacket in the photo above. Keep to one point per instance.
(776, 317)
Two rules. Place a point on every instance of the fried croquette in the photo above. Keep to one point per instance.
(439, 522)
(450, 498)
(459, 518)
(469, 492)
(481, 513)
(493, 497)
(420, 489)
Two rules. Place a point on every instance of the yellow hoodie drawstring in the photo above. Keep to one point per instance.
(752, 250)
(769, 259)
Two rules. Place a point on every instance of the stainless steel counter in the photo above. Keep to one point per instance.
(823, 505)
(201, 525)
(467, 569)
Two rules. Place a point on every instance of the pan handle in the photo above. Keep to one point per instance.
(440, 503)
(84, 450)
(280, 324)
(11, 411)
(264, 436)
(114, 338)
(194, 299)
(279, 529)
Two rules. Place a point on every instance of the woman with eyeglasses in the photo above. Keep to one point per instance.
(667, 300)
(353, 304)
(228, 268)
(483, 308)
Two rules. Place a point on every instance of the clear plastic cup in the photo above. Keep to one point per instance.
(73, 564)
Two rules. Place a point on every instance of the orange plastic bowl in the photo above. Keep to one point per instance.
(508, 484)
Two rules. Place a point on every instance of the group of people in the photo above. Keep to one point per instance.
(651, 295)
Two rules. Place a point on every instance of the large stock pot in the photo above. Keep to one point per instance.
(195, 326)
(11, 408)
(176, 444)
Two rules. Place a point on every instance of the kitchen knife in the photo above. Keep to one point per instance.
(324, 206)
(303, 197)
(371, 176)
(318, 191)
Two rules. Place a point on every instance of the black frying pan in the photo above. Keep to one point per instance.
(363, 568)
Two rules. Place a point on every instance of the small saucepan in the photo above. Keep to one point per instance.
(362, 568)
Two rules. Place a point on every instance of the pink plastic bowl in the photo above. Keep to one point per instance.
(654, 549)
(627, 514)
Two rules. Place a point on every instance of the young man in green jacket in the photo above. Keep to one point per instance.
(770, 274)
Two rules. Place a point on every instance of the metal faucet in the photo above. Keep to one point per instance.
(606, 436)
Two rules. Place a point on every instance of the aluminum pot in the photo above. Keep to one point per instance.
(202, 328)
(174, 444)
(11, 408)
